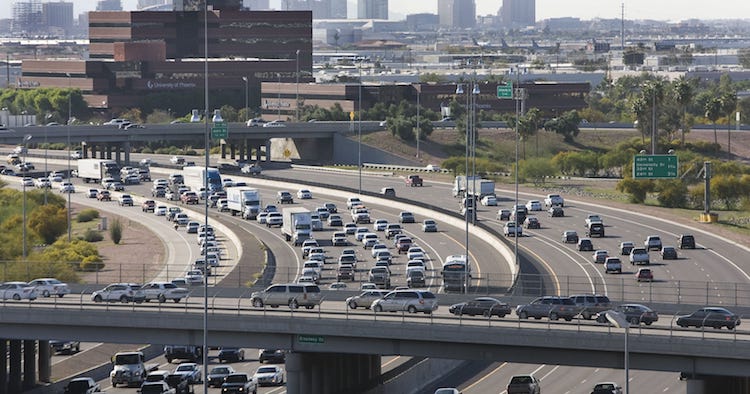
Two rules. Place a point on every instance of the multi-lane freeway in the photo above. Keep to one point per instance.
(712, 274)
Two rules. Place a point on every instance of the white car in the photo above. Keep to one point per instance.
(191, 371)
(271, 375)
(176, 160)
(379, 225)
(160, 210)
(42, 183)
(28, 182)
(254, 169)
(304, 194)
(49, 286)
(511, 229)
(67, 187)
(378, 247)
(17, 291)
(489, 201)
(125, 200)
(275, 123)
(163, 291)
(122, 292)
(534, 205)
(194, 277)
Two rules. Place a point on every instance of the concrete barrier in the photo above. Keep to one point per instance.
(421, 375)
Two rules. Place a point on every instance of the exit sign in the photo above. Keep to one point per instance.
(219, 131)
(505, 91)
(310, 339)
(655, 167)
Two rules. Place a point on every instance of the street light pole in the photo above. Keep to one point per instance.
(473, 128)
(296, 100)
(26, 139)
(359, 130)
(205, 184)
(419, 128)
(460, 91)
(247, 114)
(618, 319)
(68, 141)
(278, 99)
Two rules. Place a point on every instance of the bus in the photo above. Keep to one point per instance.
(195, 177)
(456, 273)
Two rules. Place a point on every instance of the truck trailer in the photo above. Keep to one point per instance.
(97, 169)
(244, 201)
(297, 225)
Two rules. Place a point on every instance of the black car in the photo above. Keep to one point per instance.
(485, 306)
(715, 317)
(668, 253)
(231, 354)
(68, 347)
(284, 197)
(570, 237)
(634, 313)
(556, 212)
(687, 241)
(179, 383)
(585, 245)
(274, 356)
(532, 222)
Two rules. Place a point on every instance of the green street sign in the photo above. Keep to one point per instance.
(505, 91)
(655, 167)
(310, 339)
(219, 131)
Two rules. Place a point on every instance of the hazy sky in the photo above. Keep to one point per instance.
(672, 10)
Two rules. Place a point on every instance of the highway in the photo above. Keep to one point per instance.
(713, 267)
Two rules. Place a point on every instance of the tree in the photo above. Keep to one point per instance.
(115, 231)
(646, 106)
(48, 222)
(728, 106)
(566, 125)
(743, 56)
(713, 113)
(637, 188)
(683, 94)
(536, 169)
(528, 126)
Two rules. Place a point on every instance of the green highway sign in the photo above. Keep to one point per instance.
(505, 91)
(655, 167)
(219, 131)
(310, 339)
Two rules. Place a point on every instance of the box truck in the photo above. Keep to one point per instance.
(297, 225)
(244, 201)
(459, 184)
(97, 169)
(195, 178)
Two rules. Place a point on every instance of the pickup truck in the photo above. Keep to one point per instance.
(129, 368)
(413, 180)
(639, 256)
(190, 198)
(554, 200)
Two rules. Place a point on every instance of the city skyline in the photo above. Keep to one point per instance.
(670, 10)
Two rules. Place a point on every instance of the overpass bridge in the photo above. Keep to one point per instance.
(308, 141)
(339, 351)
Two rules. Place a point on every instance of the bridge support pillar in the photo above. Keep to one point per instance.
(268, 151)
(45, 361)
(109, 152)
(14, 369)
(126, 151)
(329, 373)
(223, 149)
(703, 384)
(3, 366)
(29, 364)
(238, 151)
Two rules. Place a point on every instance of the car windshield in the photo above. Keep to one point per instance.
(183, 368)
(220, 370)
(77, 386)
(266, 370)
(236, 379)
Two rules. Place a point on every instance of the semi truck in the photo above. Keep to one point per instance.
(297, 225)
(479, 188)
(460, 184)
(130, 369)
(97, 169)
(244, 201)
(195, 177)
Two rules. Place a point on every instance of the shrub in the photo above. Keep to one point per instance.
(92, 235)
(87, 215)
(672, 194)
(115, 231)
(91, 264)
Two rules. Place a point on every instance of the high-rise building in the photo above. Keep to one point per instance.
(28, 18)
(518, 13)
(321, 9)
(338, 9)
(372, 9)
(58, 17)
(459, 14)
(257, 5)
(109, 5)
(155, 5)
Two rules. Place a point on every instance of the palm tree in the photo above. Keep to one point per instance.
(713, 112)
(728, 106)
(683, 94)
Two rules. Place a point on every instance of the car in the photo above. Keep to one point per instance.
(177, 160)
(432, 168)
(429, 226)
(163, 291)
(83, 385)
(194, 277)
(534, 205)
(350, 228)
(379, 224)
(274, 219)
(612, 264)
(116, 186)
(284, 197)
(269, 375)
(570, 237)
(103, 195)
(668, 253)
(255, 122)
(191, 371)
(552, 307)
(322, 213)
(634, 313)
(125, 200)
(17, 291)
(189, 197)
(27, 182)
(556, 212)
(686, 241)
(231, 354)
(290, 294)
(591, 304)
(524, 384)
(160, 210)
(626, 247)
(553, 200)
(339, 285)
(304, 194)
(275, 123)
(47, 287)
(639, 256)
(217, 374)
(489, 201)
(406, 217)
(366, 298)
(413, 180)
(606, 388)
(392, 229)
(403, 244)
(481, 306)
(378, 247)
(585, 245)
(503, 214)
(532, 222)
(512, 229)
(274, 356)
(652, 242)
(388, 192)
(41, 183)
(600, 256)
(711, 316)
(116, 122)
(411, 301)
(335, 221)
(148, 206)
(339, 239)
(593, 218)
(251, 169)
(644, 275)
(119, 292)
(446, 390)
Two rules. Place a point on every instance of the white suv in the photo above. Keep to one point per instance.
(411, 301)
(123, 292)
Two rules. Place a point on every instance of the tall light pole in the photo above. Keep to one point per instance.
(519, 95)
(460, 91)
(70, 115)
(247, 114)
(419, 128)
(619, 320)
(296, 100)
(473, 129)
(278, 99)
(359, 130)
(205, 185)
(26, 139)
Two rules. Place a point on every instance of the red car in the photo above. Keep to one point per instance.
(413, 180)
(148, 206)
(403, 244)
(644, 274)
